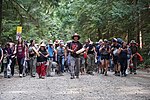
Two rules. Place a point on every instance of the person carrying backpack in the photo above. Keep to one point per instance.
(134, 57)
(91, 53)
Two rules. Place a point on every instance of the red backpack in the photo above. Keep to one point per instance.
(140, 58)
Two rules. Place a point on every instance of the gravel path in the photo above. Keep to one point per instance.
(87, 87)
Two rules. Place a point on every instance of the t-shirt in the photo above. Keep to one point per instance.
(133, 49)
(41, 58)
(31, 50)
(90, 49)
(60, 51)
(105, 50)
(75, 46)
(98, 50)
(20, 51)
(115, 48)
(50, 51)
(123, 54)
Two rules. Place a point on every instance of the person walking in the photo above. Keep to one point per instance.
(41, 61)
(73, 47)
(134, 57)
(105, 56)
(123, 52)
(13, 59)
(51, 57)
(61, 56)
(20, 52)
(7, 61)
(114, 50)
(32, 58)
(92, 54)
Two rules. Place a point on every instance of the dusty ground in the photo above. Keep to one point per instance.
(87, 87)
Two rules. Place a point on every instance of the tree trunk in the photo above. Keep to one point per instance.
(99, 33)
(137, 23)
(1, 1)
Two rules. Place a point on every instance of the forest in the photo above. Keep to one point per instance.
(94, 19)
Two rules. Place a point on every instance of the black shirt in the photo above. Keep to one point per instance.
(41, 58)
(90, 48)
(75, 46)
(133, 49)
(31, 52)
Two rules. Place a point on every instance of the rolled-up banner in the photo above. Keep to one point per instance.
(80, 51)
(34, 49)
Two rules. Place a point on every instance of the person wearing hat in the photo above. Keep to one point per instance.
(56, 43)
(134, 58)
(51, 57)
(114, 50)
(32, 58)
(61, 56)
(41, 61)
(105, 57)
(123, 58)
(99, 54)
(91, 53)
(73, 47)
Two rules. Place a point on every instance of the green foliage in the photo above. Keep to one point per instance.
(95, 19)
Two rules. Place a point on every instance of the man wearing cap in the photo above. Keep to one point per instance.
(133, 48)
(73, 47)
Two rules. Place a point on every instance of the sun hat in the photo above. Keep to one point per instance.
(76, 35)
(43, 45)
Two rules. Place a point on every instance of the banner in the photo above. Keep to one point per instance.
(18, 33)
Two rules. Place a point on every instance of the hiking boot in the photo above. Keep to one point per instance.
(77, 76)
(43, 77)
(24, 75)
(106, 73)
(91, 73)
(118, 74)
(125, 74)
(61, 74)
(20, 75)
(8, 76)
(33, 75)
(72, 77)
(103, 71)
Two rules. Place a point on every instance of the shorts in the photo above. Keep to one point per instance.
(107, 57)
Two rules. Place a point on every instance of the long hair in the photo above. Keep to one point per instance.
(22, 43)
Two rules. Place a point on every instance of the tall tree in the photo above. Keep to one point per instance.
(1, 17)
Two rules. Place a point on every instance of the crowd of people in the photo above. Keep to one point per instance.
(72, 57)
